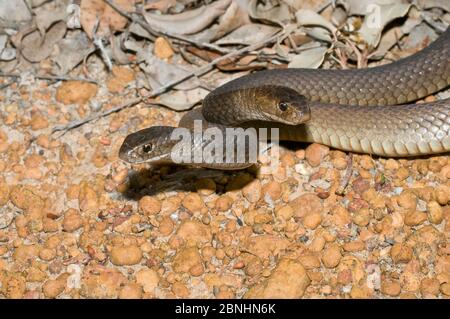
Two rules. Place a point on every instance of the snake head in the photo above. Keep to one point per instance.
(282, 104)
(151, 145)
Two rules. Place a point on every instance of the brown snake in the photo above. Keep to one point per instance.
(351, 110)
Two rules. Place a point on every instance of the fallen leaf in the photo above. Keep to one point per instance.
(428, 4)
(378, 18)
(6, 54)
(277, 12)
(118, 54)
(49, 13)
(233, 18)
(311, 56)
(363, 7)
(309, 17)
(36, 48)
(72, 50)
(13, 13)
(248, 34)
(188, 22)
(182, 100)
(161, 73)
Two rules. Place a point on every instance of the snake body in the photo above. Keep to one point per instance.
(354, 110)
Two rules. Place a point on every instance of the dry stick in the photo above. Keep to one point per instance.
(202, 70)
(347, 176)
(147, 27)
(50, 77)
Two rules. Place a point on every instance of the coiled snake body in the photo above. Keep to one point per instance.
(353, 110)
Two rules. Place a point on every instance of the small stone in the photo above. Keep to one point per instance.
(315, 153)
(121, 77)
(317, 244)
(273, 190)
(130, 291)
(285, 212)
(224, 203)
(72, 220)
(415, 218)
(391, 164)
(366, 162)
(148, 279)
(187, 258)
(54, 287)
(101, 282)
(166, 226)
(435, 214)
(445, 288)
(288, 280)
(312, 221)
(331, 256)
(125, 255)
(149, 205)
(205, 186)
(310, 261)
(361, 217)
(193, 202)
(354, 246)
(442, 194)
(163, 50)
(407, 200)
(401, 253)
(76, 92)
(194, 231)
(38, 122)
(390, 288)
(87, 198)
(429, 286)
(252, 191)
(4, 193)
(180, 290)
(307, 204)
(197, 270)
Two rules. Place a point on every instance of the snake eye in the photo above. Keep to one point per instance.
(147, 148)
(283, 106)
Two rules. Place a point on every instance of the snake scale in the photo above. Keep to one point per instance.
(357, 110)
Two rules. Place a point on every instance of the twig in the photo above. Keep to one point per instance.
(347, 176)
(201, 45)
(5, 85)
(50, 77)
(200, 71)
(98, 42)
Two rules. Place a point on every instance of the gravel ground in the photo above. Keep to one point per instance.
(76, 222)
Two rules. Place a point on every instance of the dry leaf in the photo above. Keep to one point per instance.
(309, 17)
(72, 50)
(188, 22)
(160, 73)
(277, 11)
(363, 7)
(182, 100)
(233, 18)
(311, 56)
(110, 19)
(428, 4)
(13, 13)
(49, 13)
(378, 18)
(248, 34)
(36, 48)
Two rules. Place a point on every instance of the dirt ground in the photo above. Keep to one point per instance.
(77, 222)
